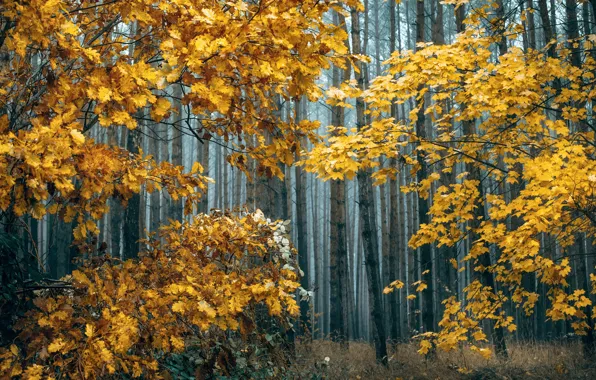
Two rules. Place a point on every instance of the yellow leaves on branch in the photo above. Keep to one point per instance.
(346, 152)
(61, 172)
(525, 157)
(397, 284)
(125, 316)
(85, 63)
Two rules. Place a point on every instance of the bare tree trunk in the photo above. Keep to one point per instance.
(438, 33)
(238, 188)
(365, 197)
(131, 232)
(326, 264)
(573, 32)
(394, 222)
(177, 146)
(116, 209)
(154, 199)
(225, 181)
(547, 27)
(301, 226)
(426, 264)
(218, 180)
(530, 24)
(501, 27)
(338, 260)
(164, 153)
(204, 207)
(250, 182)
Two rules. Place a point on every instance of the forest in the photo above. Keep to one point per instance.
(285, 189)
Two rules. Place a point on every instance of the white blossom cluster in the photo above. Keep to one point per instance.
(281, 243)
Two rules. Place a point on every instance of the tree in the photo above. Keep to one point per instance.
(504, 105)
(70, 68)
(366, 208)
(102, 322)
(339, 274)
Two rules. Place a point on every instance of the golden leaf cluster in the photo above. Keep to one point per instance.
(123, 317)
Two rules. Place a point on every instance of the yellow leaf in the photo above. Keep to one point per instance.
(178, 343)
(425, 347)
(89, 330)
(179, 307)
(196, 167)
(161, 108)
(104, 94)
(56, 345)
(77, 137)
(69, 28)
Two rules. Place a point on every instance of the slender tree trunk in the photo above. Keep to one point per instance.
(393, 238)
(154, 199)
(116, 209)
(131, 233)
(206, 172)
(365, 197)
(547, 27)
(301, 226)
(338, 247)
(426, 264)
(438, 33)
(238, 189)
(501, 27)
(530, 24)
(486, 277)
(177, 147)
(218, 194)
(573, 32)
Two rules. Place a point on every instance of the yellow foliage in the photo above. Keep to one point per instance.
(123, 316)
(397, 284)
(507, 124)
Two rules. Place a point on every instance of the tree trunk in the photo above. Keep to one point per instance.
(365, 197)
(301, 226)
(204, 207)
(426, 264)
(547, 27)
(154, 199)
(131, 235)
(177, 147)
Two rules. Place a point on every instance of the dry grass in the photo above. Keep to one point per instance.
(527, 361)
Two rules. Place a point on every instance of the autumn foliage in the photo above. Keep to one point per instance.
(497, 144)
(212, 68)
(208, 276)
(519, 132)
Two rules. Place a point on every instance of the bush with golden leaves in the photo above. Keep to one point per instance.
(196, 280)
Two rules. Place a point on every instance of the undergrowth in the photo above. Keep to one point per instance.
(327, 360)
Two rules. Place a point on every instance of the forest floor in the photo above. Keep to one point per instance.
(527, 361)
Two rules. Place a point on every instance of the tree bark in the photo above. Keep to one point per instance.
(131, 233)
(365, 197)
(302, 226)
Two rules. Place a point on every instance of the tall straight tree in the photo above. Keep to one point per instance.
(131, 234)
(177, 146)
(301, 220)
(394, 222)
(426, 262)
(338, 260)
(204, 206)
(366, 207)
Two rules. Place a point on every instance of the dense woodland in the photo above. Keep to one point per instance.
(203, 188)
